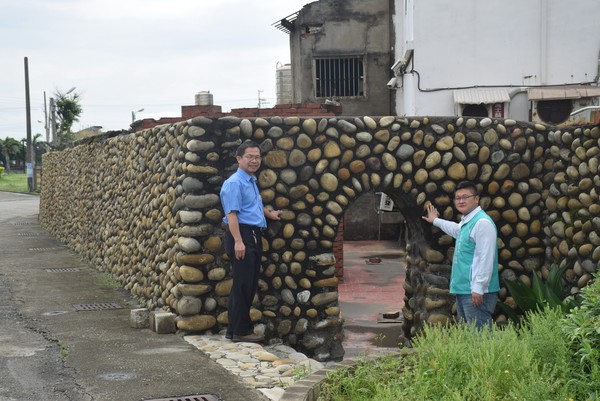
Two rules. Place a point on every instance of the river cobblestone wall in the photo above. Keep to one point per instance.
(145, 207)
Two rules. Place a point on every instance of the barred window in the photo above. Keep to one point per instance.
(339, 77)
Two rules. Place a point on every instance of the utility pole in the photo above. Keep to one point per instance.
(261, 101)
(53, 120)
(28, 117)
(46, 121)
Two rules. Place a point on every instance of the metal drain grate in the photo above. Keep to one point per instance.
(62, 270)
(54, 248)
(28, 234)
(99, 306)
(195, 397)
(22, 223)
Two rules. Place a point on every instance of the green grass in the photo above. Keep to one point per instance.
(458, 363)
(14, 182)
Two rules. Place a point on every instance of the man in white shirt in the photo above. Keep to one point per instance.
(474, 278)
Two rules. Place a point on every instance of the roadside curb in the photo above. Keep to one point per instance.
(308, 389)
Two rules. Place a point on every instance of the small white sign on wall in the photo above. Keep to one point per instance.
(386, 203)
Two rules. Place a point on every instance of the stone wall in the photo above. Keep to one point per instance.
(145, 207)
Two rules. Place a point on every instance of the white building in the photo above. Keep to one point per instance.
(535, 60)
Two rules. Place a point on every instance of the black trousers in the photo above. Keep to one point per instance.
(245, 279)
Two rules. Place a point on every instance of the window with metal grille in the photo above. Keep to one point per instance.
(339, 77)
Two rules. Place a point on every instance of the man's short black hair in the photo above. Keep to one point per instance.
(467, 185)
(245, 145)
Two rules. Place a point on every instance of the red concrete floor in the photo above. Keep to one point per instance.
(368, 291)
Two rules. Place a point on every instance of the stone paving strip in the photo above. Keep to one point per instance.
(269, 368)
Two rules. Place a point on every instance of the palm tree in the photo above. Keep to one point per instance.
(10, 149)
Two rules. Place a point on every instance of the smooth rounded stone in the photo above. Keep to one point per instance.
(314, 155)
(457, 171)
(382, 135)
(515, 200)
(208, 170)
(288, 296)
(191, 185)
(433, 159)
(405, 152)
(217, 274)
(190, 274)
(210, 304)
(275, 159)
(303, 297)
(374, 163)
(223, 288)
(346, 126)
(188, 245)
(200, 146)
(275, 132)
(421, 176)
(334, 207)
(193, 289)
(309, 126)
(285, 143)
(332, 149)
(189, 306)
(356, 167)
(213, 243)
(393, 143)
(332, 132)
(436, 175)
(196, 323)
(444, 144)
(324, 298)
(502, 171)
(472, 171)
(196, 259)
(329, 182)
(363, 151)
(195, 132)
(520, 172)
(433, 256)
(201, 201)
(189, 217)
(192, 157)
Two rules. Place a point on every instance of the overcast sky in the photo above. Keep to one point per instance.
(125, 55)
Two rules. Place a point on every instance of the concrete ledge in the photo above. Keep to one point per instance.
(308, 388)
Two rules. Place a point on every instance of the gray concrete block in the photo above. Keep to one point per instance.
(139, 318)
(163, 322)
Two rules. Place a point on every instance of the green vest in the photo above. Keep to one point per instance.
(464, 252)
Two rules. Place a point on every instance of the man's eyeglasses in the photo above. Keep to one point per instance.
(463, 198)
(253, 158)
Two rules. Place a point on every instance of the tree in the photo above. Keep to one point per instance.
(10, 149)
(68, 111)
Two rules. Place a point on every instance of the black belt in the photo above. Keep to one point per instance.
(253, 228)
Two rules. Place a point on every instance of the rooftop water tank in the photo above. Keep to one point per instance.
(204, 98)
(284, 84)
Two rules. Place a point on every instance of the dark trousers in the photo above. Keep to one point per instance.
(245, 280)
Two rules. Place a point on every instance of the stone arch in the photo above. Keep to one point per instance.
(145, 206)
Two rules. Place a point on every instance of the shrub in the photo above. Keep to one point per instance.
(582, 328)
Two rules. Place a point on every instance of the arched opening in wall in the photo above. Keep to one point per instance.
(475, 110)
(554, 111)
(371, 294)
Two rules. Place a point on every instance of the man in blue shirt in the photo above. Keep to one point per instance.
(474, 278)
(245, 218)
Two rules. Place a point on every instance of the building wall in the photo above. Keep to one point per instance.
(345, 28)
(511, 43)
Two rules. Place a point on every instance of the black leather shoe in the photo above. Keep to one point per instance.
(250, 338)
(229, 336)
